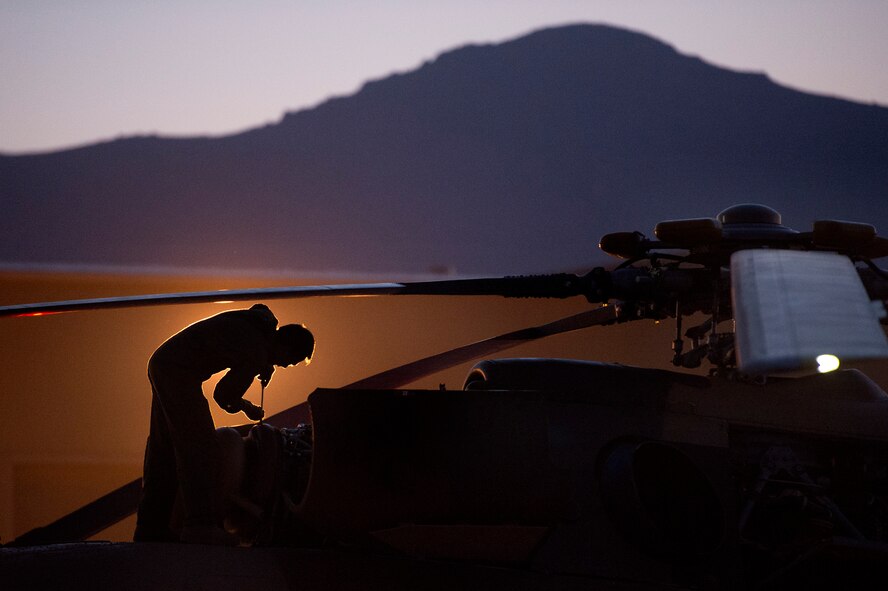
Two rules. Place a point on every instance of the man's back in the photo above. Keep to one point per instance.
(226, 340)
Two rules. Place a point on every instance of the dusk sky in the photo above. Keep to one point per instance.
(79, 72)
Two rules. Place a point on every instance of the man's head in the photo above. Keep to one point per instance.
(293, 344)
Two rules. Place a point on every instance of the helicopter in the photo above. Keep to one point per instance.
(770, 470)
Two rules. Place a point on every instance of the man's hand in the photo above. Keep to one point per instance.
(265, 375)
(253, 412)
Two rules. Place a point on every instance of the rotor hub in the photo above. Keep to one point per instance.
(750, 213)
(754, 222)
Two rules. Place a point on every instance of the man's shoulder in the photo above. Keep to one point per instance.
(258, 315)
(263, 313)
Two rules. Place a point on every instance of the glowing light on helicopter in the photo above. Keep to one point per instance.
(224, 302)
(827, 363)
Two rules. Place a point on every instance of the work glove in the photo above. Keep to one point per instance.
(253, 412)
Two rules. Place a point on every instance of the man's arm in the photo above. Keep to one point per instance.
(231, 388)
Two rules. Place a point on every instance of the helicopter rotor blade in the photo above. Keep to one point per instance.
(88, 520)
(560, 285)
(197, 297)
(410, 372)
(397, 377)
(795, 310)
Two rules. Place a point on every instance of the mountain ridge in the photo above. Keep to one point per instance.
(509, 157)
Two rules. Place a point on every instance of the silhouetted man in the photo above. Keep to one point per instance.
(182, 449)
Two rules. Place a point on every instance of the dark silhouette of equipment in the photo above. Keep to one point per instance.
(566, 473)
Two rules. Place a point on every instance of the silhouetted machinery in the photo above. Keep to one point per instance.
(769, 472)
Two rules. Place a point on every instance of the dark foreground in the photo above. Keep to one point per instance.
(127, 566)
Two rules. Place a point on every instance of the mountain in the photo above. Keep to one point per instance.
(505, 158)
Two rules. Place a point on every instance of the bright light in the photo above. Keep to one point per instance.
(826, 363)
(224, 302)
